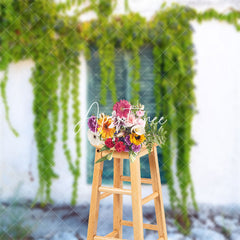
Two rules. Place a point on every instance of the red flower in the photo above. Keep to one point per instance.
(119, 146)
(109, 143)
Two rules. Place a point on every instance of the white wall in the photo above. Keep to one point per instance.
(214, 164)
(215, 161)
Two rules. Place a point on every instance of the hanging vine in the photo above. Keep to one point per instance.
(5, 58)
(70, 87)
(128, 35)
(45, 33)
(3, 84)
(106, 51)
(41, 34)
(173, 55)
(164, 108)
(76, 119)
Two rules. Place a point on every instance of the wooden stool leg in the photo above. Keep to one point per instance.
(156, 185)
(136, 199)
(95, 198)
(117, 198)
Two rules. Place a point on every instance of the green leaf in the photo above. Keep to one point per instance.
(103, 148)
(132, 156)
(107, 157)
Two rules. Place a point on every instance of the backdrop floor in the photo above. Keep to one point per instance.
(63, 222)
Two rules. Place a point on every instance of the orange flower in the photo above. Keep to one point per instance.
(104, 123)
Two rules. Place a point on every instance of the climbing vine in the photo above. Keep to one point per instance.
(42, 34)
(54, 40)
(129, 38)
(107, 74)
(174, 90)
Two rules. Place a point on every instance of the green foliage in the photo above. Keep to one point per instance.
(76, 119)
(155, 133)
(45, 33)
(106, 52)
(70, 87)
(5, 58)
(129, 36)
(174, 89)
(49, 38)
(174, 82)
(232, 17)
(3, 84)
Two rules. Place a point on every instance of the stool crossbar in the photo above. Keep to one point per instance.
(100, 192)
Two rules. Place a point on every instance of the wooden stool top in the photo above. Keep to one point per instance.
(124, 155)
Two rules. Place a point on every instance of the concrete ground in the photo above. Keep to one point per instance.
(63, 222)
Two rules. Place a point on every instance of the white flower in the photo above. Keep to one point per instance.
(94, 138)
(138, 129)
(141, 107)
(114, 114)
(111, 125)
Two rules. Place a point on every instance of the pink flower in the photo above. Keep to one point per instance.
(140, 122)
(131, 120)
(140, 113)
(122, 108)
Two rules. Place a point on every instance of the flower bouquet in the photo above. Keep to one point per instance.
(126, 130)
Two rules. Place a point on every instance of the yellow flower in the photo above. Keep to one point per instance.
(137, 139)
(104, 122)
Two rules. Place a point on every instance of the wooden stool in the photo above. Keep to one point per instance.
(99, 192)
